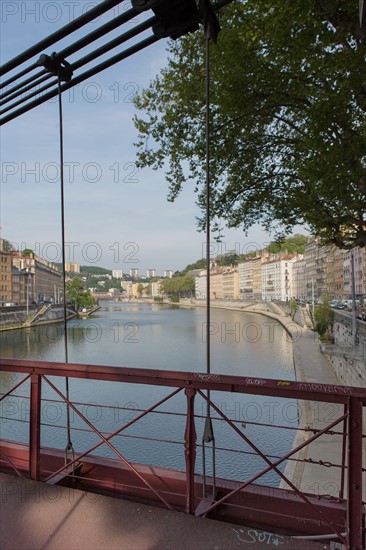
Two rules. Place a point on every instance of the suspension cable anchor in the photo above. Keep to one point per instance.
(56, 66)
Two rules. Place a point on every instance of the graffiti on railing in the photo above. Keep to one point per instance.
(208, 377)
(255, 381)
(252, 536)
(325, 388)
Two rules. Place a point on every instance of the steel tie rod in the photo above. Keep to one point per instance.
(61, 33)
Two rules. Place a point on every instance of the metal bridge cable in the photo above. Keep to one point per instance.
(208, 216)
(208, 435)
(58, 35)
(69, 447)
(84, 76)
(86, 59)
(29, 96)
(18, 75)
(69, 50)
(32, 80)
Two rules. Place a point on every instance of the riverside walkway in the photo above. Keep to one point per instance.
(311, 367)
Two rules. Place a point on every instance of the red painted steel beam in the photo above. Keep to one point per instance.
(35, 427)
(15, 387)
(219, 382)
(107, 442)
(354, 488)
(268, 507)
(190, 439)
(272, 466)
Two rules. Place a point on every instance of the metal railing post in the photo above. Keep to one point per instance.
(354, 485)
(190, 450)
(35, 427)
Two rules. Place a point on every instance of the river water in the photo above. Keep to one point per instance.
(158, 337)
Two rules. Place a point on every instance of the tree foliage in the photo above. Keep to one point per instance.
(288, 130)
(292, 245)
(95, 270)
(199, 264)
(78, 295)
(324, 317)
(177, 286)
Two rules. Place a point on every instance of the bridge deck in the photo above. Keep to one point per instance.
(38, 516)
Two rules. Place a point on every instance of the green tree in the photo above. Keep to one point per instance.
(177, 286)
(95, 270)
(6, 245)
(324, 317)
(291, 245)
(288, 106)
(78, 295)
(199, 264)
(140, 289)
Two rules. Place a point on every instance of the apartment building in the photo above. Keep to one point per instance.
(22, 286)
(299, 280)
(277, 278)
(334, 274)
(315, 272)
(230, 284)
(45, 276)
(245, 271)
(156, 289)
(5, 277)
(72, 267)
(117, 273)
(257, 277)
(127, 288)
(347, 288)
(200, 283)
(359, 256)
(216, 284)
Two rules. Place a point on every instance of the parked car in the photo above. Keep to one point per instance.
(333, 303)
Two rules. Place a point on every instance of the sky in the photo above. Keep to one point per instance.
(116, 215)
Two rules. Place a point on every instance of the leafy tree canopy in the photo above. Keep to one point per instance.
(95, 270)
(199, 264)
(288, 125)
(178, 285)
(78, 295)
(295, 244)
(6, 245)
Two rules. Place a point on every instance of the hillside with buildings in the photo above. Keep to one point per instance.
(285, 274)
(300, 268)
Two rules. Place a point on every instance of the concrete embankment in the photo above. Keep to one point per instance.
(20, 317)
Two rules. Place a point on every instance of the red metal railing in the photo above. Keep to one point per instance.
(341, 517)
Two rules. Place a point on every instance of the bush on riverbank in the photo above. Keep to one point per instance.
(324, 318)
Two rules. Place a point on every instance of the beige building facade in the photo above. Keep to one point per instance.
(46, 278)
(5, 277)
